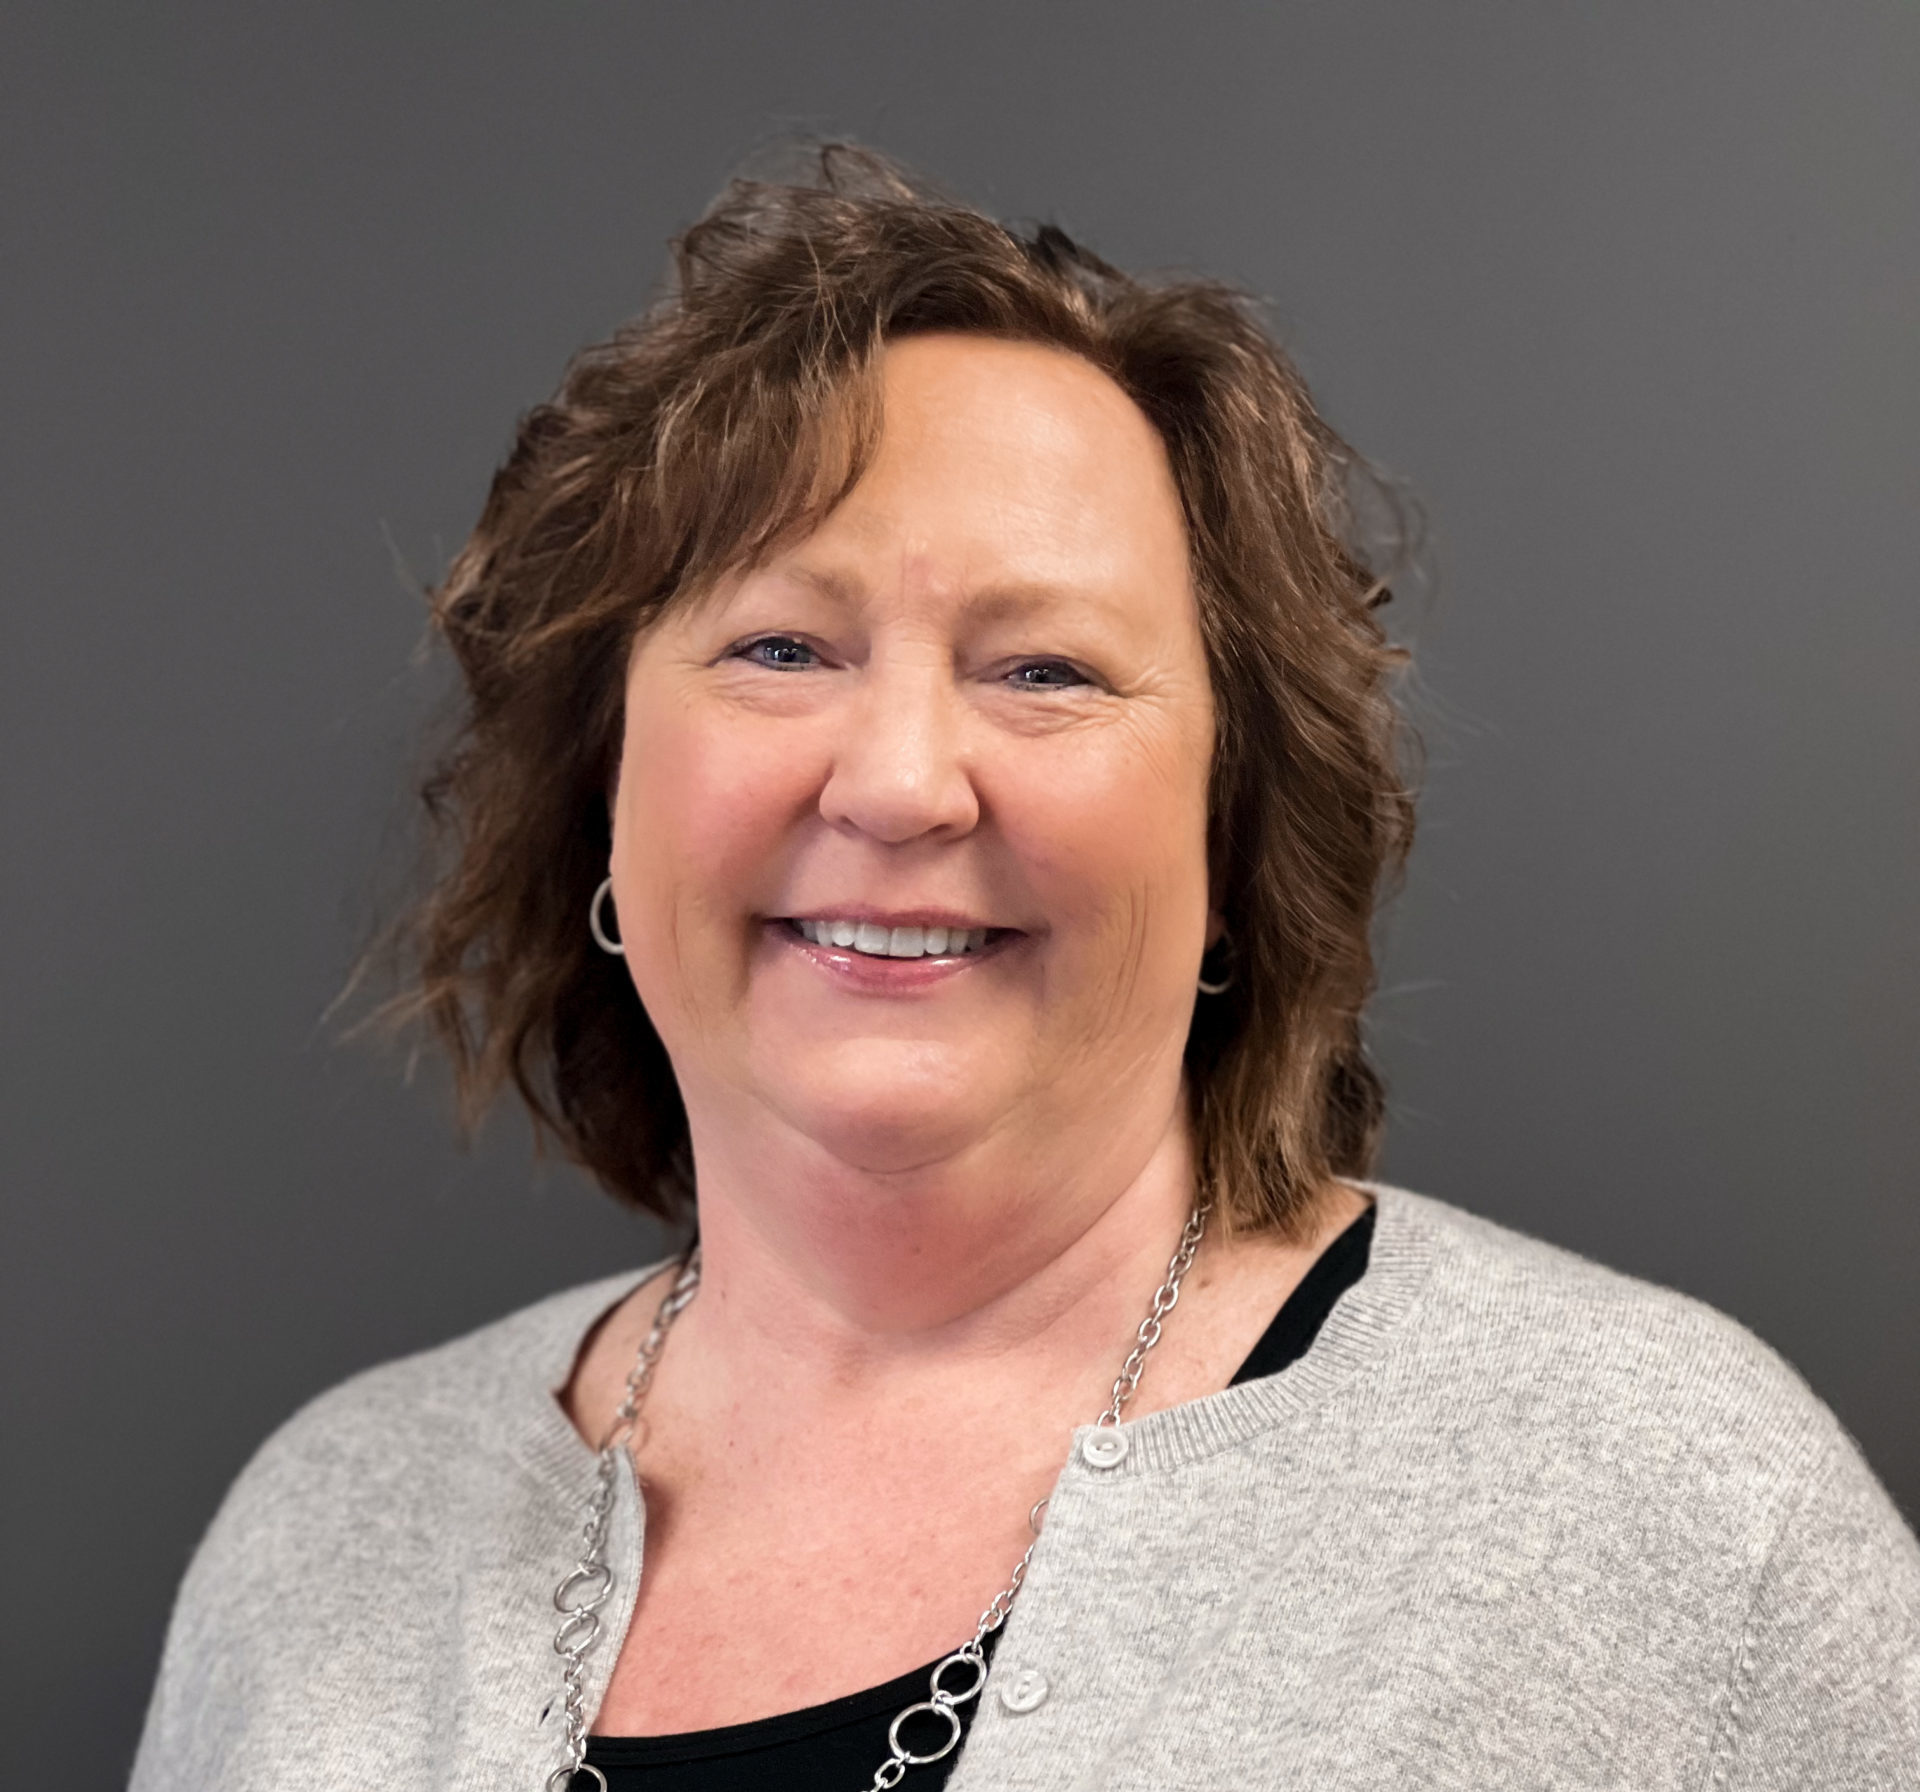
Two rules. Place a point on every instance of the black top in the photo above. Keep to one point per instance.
(831, 1747)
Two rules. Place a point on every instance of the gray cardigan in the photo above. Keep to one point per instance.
(1513, 1521)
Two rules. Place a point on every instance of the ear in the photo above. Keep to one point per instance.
(1216, 927)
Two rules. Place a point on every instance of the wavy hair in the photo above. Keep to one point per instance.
(731, 417)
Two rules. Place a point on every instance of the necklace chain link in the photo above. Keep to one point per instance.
(589, 1584)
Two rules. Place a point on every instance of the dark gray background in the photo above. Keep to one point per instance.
(1628, 293)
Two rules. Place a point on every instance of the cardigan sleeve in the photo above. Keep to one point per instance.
(1825, 1695)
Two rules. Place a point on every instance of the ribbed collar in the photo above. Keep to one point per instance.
(1353, 1337)
(543, 1436)
(549, 1336)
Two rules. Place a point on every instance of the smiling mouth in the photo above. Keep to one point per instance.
(871, 940)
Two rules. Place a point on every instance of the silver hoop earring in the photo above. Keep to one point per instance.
(1226, 982)
(600, 938)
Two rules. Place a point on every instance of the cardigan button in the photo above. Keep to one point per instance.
(1024, 1692)
(1105, 1446)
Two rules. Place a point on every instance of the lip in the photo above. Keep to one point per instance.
(949, 918)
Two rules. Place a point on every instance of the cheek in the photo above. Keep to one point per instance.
(700, 821)
(1117, 844)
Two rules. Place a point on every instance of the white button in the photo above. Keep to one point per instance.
(1024, 1691)
(1105, 1446)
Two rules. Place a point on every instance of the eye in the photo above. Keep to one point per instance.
(1046, 675)
(781, 653)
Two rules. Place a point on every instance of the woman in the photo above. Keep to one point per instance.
(928, 772)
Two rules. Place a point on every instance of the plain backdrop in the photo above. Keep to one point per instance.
(1630, 294)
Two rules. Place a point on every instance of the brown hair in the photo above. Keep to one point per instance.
(733, 416)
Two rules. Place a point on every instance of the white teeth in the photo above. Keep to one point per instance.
(875, 941)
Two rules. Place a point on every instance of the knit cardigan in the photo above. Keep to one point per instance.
(1513, 1521)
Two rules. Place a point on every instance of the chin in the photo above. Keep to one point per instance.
(899, 1151)
(885, 1122)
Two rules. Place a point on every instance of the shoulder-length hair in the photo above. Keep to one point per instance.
(732, 417)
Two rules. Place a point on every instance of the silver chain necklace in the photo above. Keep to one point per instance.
(589, 1585)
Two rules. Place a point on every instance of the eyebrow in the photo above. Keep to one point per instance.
(989, 603)
(836, 586)
(831, 585)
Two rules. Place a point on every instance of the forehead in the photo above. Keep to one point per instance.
(1007, 465)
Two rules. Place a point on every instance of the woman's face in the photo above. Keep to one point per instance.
(910, 832)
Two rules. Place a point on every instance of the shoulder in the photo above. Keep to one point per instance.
(1679, 1476)
(477, 1388)
(340, 1566)
(412, 1444)
(1545, 1314)
(1623, 1381)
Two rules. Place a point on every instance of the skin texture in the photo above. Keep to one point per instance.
(934, 1200)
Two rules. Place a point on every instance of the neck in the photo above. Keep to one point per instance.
(818, 1275)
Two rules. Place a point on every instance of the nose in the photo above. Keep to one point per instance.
(899, 773)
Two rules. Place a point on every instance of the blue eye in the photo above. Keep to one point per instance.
(1045, 675)
(780, 652)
